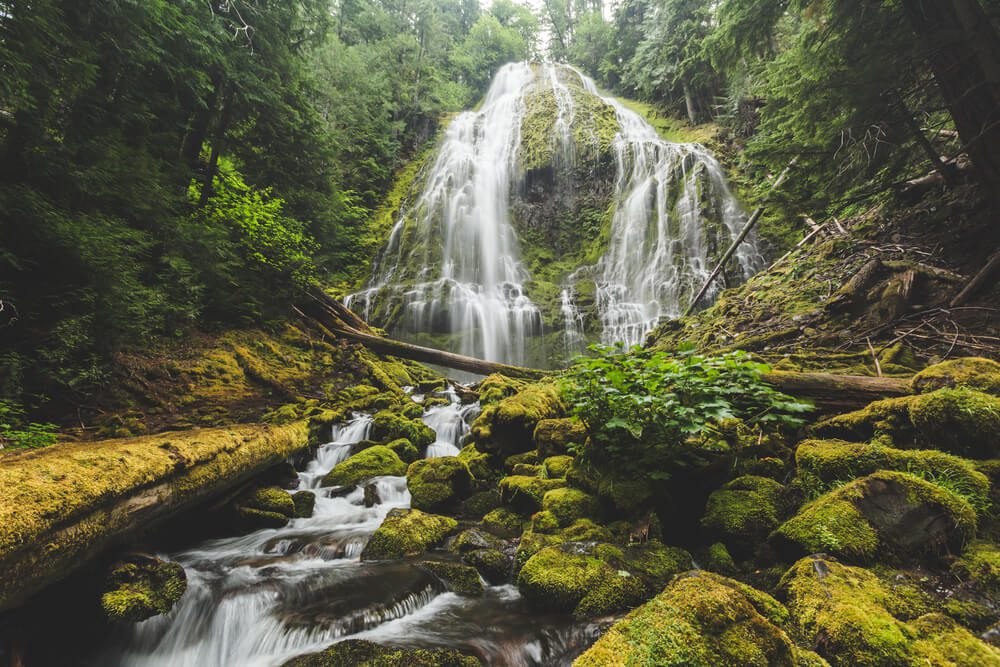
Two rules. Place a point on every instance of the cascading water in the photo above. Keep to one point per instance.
(452, 275)
(257, 600)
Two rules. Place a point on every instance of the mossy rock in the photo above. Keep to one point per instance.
(493, 564)
(407, 533)
(718, 559)
(979, 565)
(526, 470)
(654, 563)
(405, 450)
(141, 587)
(479, 463)
(268, 507)
(372, 462)
(526, 493)
(471, 539)
(845, 612)
(960, 421)
(886, 514)
(745, 511)
(458, 578)
(494, 388)
(700, 620)
(554, 436)
(304, 502)
(582, 530)
(582, 477)
(832, 461)
(567, 505)
(508, 426)
(362, 653)
(969, 372)
(389, 425)
(479, 504)
(438, 483)
(544, 522)
(503, 522)
(569, 577)
(557, 466)
(530, 457)
(629, 496)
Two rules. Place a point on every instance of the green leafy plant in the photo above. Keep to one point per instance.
(16, 431)
(650, 413)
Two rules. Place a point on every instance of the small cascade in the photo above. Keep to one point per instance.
(451, 423)
(335, 451)
(572, 323)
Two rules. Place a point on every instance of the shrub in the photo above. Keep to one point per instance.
(648, 413)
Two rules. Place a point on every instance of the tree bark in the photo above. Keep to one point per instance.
(964, 55)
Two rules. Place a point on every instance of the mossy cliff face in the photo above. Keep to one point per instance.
(63, 504)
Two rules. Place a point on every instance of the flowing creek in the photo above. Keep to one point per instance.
(257, 600)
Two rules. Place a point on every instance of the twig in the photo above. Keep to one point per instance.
(878, 366)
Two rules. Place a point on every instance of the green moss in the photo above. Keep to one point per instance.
(478, 463)
(582, 477)
(745, 511)
(461, 579)
(405, 450)
(630, 496)
(407, 533)
(438, 482)
(480, 503)
(582, 530)
(557, 466)
(304, 502)
(492, 564)
(544, 522)
(969, 372)
(507, 426)
(503, 522)
(271, 499)
(701, 619)
(495, 387)
(960, 421)
(718, 559)
(142, 587)
(526, 470)
(558, 578)
(526, 493)
(885, 514)
(361, 653)
(372, 462)
(529, 457)
(389, 425)
(567, 505)
(652, 562)
(554, 436)
(832, 461)
(980, 565)
(941, 641)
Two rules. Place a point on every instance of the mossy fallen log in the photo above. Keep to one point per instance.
(63, 505)
(838, 392)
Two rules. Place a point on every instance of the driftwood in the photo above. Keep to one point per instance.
(978, 280)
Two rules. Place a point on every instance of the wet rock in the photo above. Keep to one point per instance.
(886, 514)
(371, 498)
(458, 578)
(304, 502)
(438, 483)
(503, 522)
(480, 465)
(407, 533)
(493, 564)
(361, 653)
(372, 462)
(701, 619)
(270, 507)
(479, 504)
(141, 587)
(389, 425)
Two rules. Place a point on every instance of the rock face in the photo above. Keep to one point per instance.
(141, 587)
(886, 514)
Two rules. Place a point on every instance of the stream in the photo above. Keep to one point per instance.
(260, 599)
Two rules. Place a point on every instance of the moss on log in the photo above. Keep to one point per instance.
(65, 504)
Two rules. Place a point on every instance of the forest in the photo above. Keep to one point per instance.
(448, 332)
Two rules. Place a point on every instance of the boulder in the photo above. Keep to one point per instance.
(557, 466)
(458, 578)
(304, 502)
(141, 587)
(507, 427)
(969, 372)
(886, 514)
(362, 653)
(372, 462)
(554, 436)
(567, 505)
(407, 532)
(525, 493)
(438, 483)
(390, 425)
(269, 507)
(744, 511)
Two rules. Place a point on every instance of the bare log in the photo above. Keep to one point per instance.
(838, 392)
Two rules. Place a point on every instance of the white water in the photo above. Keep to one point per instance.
(673, 216)
(451, 423)
(470, 278)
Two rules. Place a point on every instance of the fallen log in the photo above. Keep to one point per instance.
(64, 505)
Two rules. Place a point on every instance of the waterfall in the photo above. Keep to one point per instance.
(454, 270)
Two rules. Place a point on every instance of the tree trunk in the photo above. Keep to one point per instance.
(964, 55)
(217, 143)
(689, 102)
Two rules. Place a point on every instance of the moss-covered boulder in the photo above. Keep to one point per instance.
(979, 565)
(141, 587)
(304, 502)
(530, 457)
(407, 533)
(744, 511)
(554, 436)
(438, 483)
(479, 463)
(567, 505)
(557, 466)
(390, 425)
(269, 507)
(493, 564)
(718, 559)
(629, 496)
(479, 504)
(362, 653)
(494, 388)
(847, 614)
(404, 449)
(960, 421)
(654, 563)
(458, 578)
(582, 530)
(569, 577)
(969, 372)
(507, 426)
(886, 514)
(837, 461)
(372, 462)
(503, 522)
(700, 620)
(525, 493)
